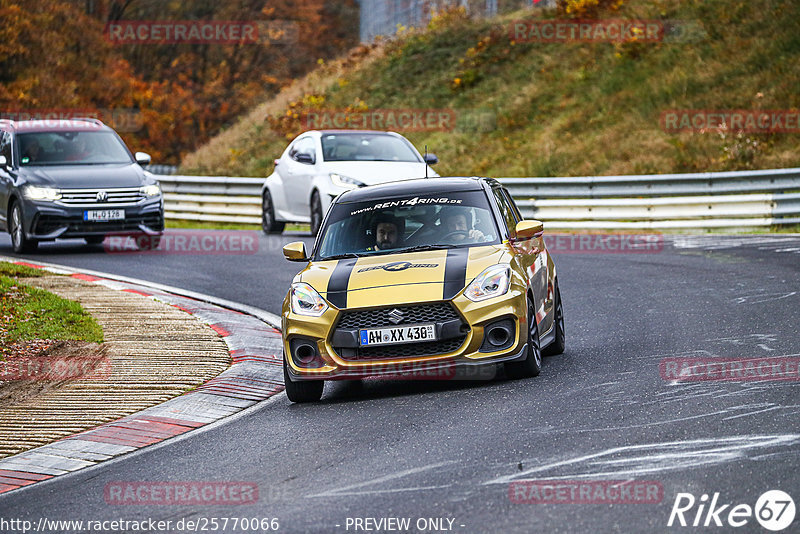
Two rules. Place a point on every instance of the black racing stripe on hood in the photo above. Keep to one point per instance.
(455, 272)
(340, 279)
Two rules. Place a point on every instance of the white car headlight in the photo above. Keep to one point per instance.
(345, 181)
(151, 190)
(492, 282)
(306, 300)
(34, 192)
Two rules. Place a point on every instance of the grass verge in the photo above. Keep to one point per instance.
(28, 313)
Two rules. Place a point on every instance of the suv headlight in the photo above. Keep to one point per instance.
(492, 282)
(34, 192)
(306, 300)
(345, 181)
(150, 190)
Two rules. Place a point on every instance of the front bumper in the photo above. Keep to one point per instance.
(49, 220)
(464, 348)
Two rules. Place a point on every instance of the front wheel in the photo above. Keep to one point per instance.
(532, 364)
(268, 223)
(316, 213)
(559, 343)
(19, 242)
(303, 390)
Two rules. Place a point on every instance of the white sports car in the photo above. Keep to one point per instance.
(320, 164)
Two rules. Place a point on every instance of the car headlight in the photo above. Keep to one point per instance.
(492, 282)
(151, 190)
(34, 192)
(345, 181)
(306, 300)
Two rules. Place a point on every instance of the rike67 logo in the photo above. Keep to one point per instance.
(774, 510)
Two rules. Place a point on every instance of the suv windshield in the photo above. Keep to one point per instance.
(366, 147)
(71, 148)
(403, 224)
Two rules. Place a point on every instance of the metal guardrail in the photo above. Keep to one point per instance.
(658, 202)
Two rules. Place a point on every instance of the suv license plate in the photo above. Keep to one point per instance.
(103, 215)
(398, 334)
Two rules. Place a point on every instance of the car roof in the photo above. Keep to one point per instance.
(350, 131)
(71, 124)
(416, 186)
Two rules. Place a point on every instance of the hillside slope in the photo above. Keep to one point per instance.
(561, 108)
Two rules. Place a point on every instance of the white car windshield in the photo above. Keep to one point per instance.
(404, 224)
(366, 147)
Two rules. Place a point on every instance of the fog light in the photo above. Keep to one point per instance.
(498, 335)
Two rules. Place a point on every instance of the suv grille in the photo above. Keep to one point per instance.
(46, 224)
(421, 313)
(88, 197)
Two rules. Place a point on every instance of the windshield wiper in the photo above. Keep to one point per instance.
(340, 256)
(418, 248)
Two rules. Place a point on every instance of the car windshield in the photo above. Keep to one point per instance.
(366, 147)
(71, 148)
(409, 223)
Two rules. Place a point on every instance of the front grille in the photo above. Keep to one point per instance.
(46, 224)
(88, 197)
(410, 350)
(437, 312)
(420, 313)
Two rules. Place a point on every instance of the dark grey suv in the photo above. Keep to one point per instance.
(74, 178)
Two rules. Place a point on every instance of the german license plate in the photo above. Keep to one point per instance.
(103, 215)
(398, 334)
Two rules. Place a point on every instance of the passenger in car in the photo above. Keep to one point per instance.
(388, 231)
(31, 150)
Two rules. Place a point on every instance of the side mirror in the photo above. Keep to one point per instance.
(3, 162)
(142, 158)
(431, 159)
(529, 229)
(295, 251)
(302, 157)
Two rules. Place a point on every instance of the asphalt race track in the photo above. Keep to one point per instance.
(449, 450)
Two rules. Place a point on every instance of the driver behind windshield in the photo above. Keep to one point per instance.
(388, 231)
(456, 224)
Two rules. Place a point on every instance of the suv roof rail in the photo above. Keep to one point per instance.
(88, 119)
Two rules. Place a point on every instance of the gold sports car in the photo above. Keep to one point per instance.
(421, 277)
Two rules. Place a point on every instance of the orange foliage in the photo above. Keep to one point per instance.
(54, 54)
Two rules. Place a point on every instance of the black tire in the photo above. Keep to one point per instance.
(303, 390)
(147, 242)
(559, 343)
(532, 364)
(94, 239)
(316, 213)
(268, 223)
(19, 242)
